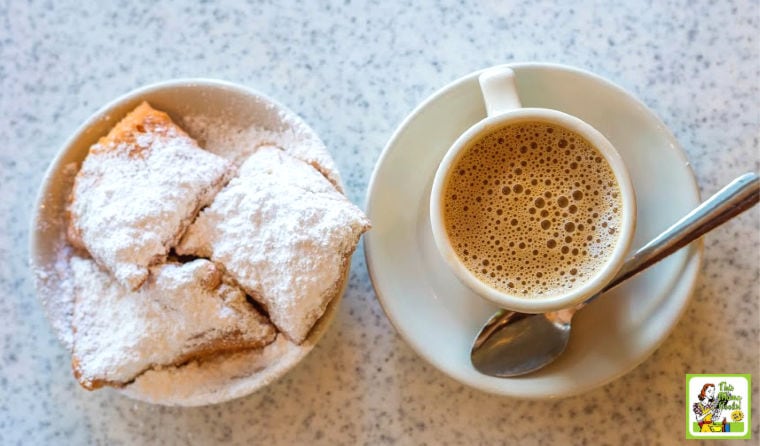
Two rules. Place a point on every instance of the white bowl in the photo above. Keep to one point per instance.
(215, 381)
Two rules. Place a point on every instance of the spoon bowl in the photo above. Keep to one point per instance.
(531, 340)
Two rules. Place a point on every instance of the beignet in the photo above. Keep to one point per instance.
(183, 312)
(137, 191)
(284, 233)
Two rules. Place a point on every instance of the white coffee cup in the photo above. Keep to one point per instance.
(503, 108)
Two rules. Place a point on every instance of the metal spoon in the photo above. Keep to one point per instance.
(512, 343)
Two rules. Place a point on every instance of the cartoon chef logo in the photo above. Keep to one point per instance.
(718, 406)
(708, 410)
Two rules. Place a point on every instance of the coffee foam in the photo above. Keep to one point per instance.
(532, 209)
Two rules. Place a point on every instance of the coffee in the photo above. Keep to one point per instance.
(532, 209)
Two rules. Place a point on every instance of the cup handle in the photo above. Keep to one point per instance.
(499, 91)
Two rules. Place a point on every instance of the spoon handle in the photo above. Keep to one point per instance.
(738, 196)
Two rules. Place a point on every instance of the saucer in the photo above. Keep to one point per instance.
(439, 317)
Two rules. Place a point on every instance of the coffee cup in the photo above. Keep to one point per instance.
(531, 208)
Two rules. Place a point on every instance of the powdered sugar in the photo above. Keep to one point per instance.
(56, 291)
(52, 274)
(284, 233)
(182, 312)
(137, 191)
(237, 143)
(221, 377)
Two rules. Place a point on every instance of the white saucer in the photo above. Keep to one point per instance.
(439, 317)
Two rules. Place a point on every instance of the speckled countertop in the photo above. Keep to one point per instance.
(353, 70)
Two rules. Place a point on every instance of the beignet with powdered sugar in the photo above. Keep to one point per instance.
(137, 191)
(284, 233)
(181, 313)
